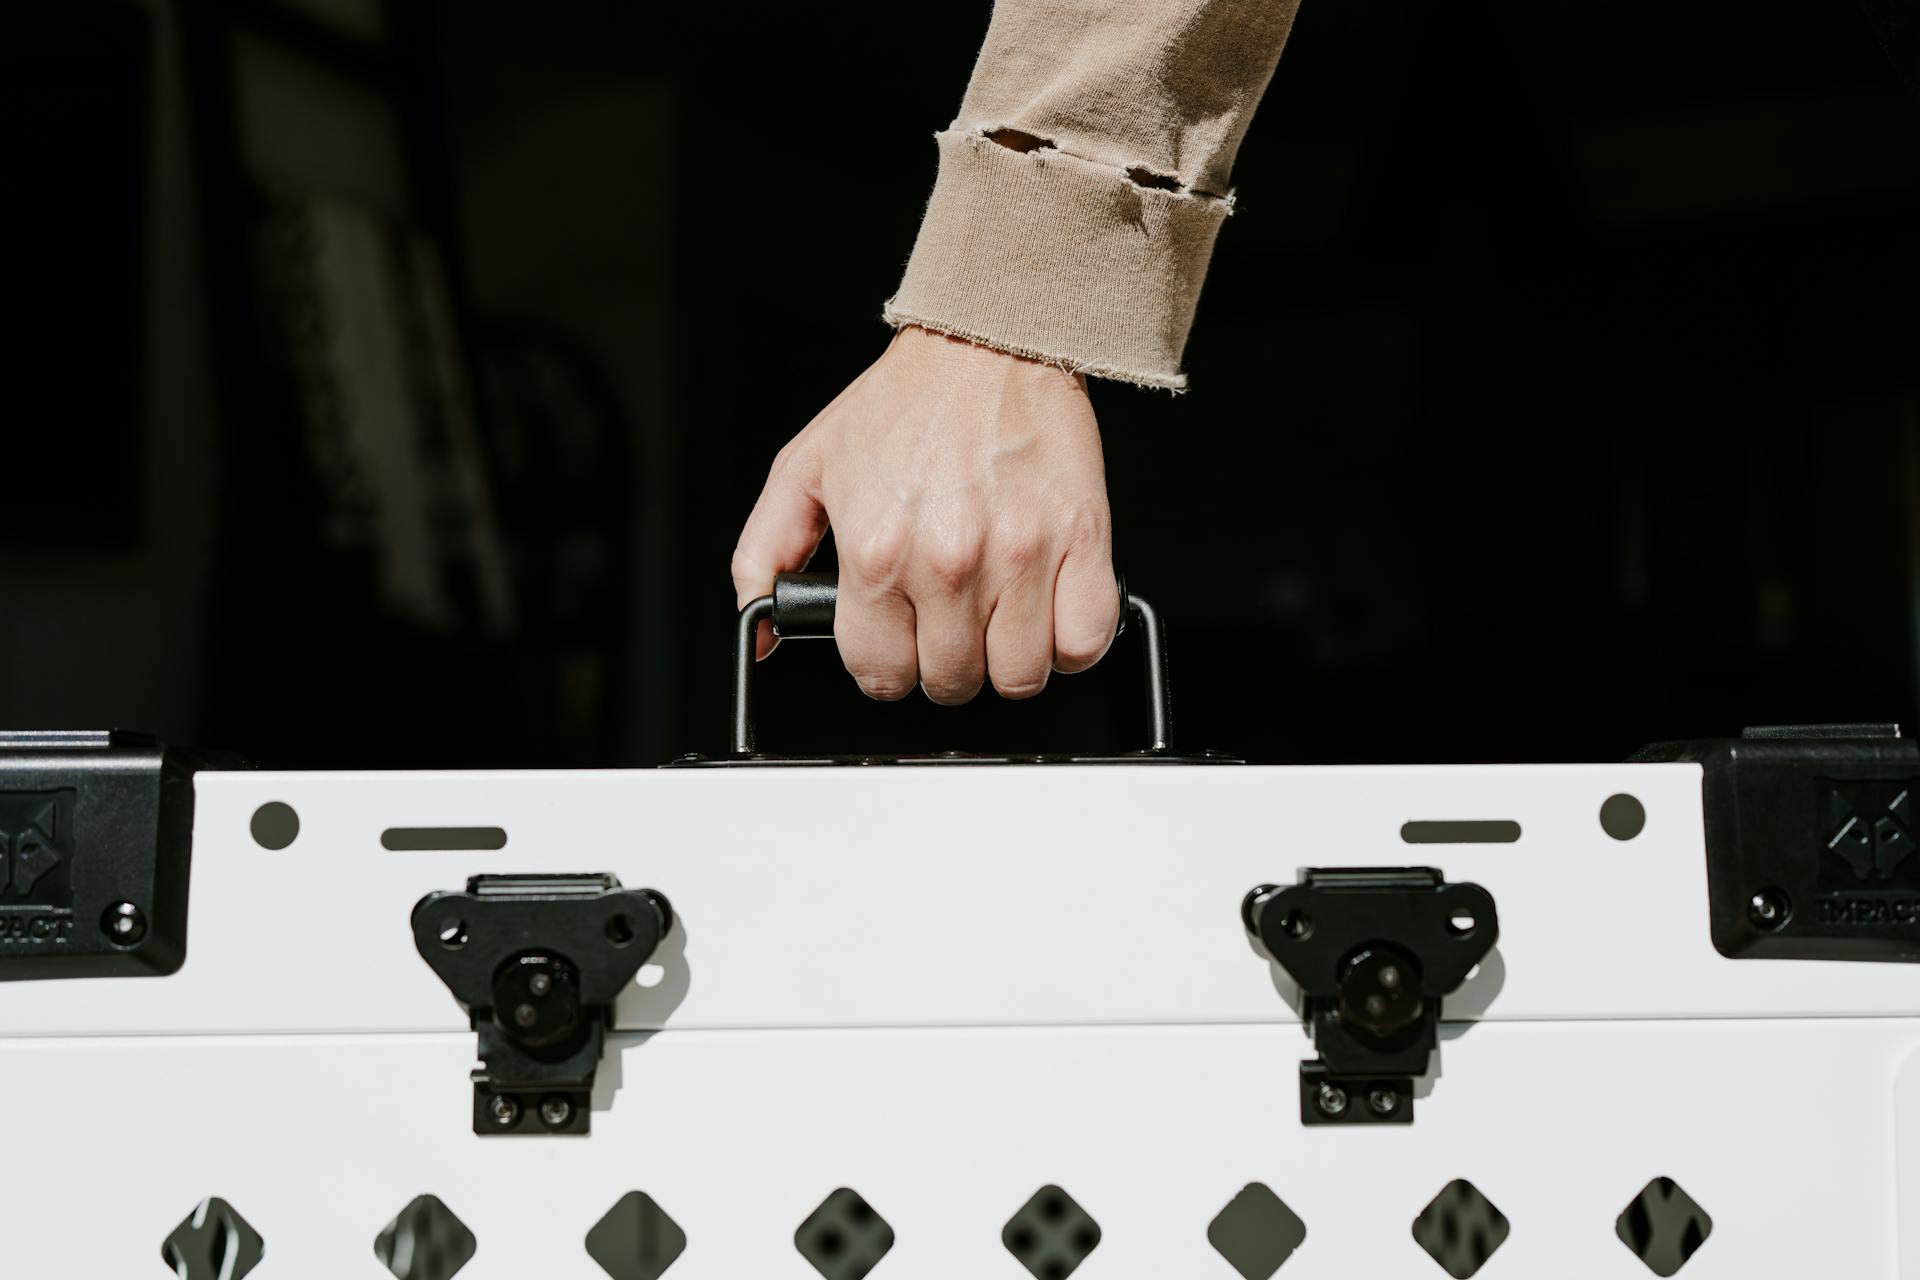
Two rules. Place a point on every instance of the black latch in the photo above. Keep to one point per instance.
(538, 962)
(1374, 951)
(96, 832)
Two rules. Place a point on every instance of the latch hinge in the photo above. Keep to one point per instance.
(537, 961)
(1374, 951)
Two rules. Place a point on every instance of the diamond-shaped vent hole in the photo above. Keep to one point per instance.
(1663, 1226)
(636, 1240)
(1051, 1235)
(214, 1243)
(843, 1238)
(425, 1242)
(1256, 1232)
(1460, 1229)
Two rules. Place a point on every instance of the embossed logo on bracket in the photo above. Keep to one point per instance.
(1869, 836)
(1869, 868)
(36, 866)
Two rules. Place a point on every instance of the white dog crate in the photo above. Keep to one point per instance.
(964, 1022)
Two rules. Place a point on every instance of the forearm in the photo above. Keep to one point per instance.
(1084, 181)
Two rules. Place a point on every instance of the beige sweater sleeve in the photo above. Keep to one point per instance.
(1083, 183)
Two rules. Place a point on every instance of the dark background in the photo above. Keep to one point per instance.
(1555, 388)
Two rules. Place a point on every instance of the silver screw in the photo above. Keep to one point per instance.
(1769, 909)
(1390, 978)
(556, 1111)
(504, 1110)
(540, 984)
(525, 1014)
(1383, 1101)
(1331, 1099)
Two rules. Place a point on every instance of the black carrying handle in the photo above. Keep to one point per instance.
(802, 606)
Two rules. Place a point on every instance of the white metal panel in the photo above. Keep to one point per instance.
(931, 896)
(1781, 1130)
(1907, 1142)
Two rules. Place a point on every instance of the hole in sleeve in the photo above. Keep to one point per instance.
(1143, 177)
(1018, 140)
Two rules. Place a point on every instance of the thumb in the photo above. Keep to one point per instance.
(780, 535)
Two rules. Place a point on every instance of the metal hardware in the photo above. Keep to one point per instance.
(537, 961)
(1811, 841)
(802, 607)
(1374, 951)
(96, 831)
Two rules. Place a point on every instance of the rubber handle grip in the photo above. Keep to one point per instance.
(803, 604)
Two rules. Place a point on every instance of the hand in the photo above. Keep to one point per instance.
(968, 500)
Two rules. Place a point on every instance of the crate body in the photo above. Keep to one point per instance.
(946, 988)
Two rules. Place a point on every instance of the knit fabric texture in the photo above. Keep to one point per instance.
(1082, 185)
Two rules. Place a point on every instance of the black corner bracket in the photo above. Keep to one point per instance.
(1810, 840)
(96, 834)
(537, 961)
(1374, 951)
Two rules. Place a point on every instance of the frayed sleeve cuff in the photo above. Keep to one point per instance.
(1045, 255)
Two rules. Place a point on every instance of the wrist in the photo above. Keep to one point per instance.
(954, 356)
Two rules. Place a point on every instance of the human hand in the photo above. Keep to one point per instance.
(967, 496)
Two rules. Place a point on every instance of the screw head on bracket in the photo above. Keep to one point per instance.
(1769, 909)
(124, 924)
(1331, 1099)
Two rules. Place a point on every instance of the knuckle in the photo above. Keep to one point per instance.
(1021, 550)
(953, 561)
(874, 552)
(1090, 526)
(788, 456)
